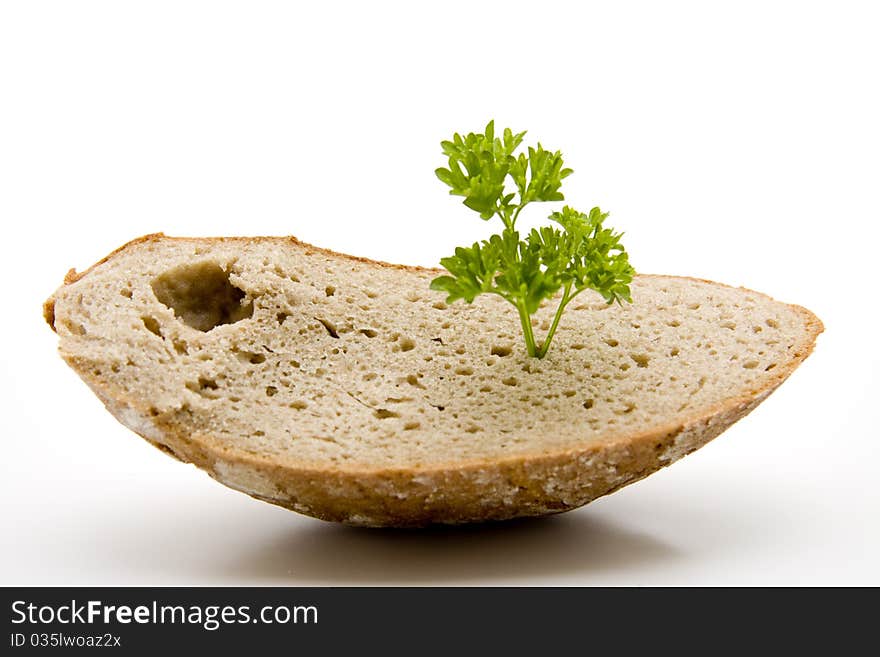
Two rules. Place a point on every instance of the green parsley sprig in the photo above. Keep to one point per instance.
(579, 255)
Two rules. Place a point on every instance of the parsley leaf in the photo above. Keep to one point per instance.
(478, 166)
(581, 255)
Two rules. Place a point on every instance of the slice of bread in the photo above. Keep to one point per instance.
(346, 389)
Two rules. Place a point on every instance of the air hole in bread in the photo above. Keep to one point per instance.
(329, 326)
(641, 360)
(509, 381)
(407, 344)
(501, 350)
(329, 291)
(588, 404)
(384, 414)
(626, 409)
(204, 386)
(611, 342)
(152, 325)
(750, 364)
(370, 333)
(74, 327)
(251, 357)
(271, 391)
(202, 296)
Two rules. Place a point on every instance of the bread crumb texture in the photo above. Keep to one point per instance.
(348, 390)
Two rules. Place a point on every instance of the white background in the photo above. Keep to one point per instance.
(738, 143)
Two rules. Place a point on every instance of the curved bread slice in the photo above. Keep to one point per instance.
(345, 389)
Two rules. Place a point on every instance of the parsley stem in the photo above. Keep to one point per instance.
(500, 212)
(516, 214)
(528, 334)
(562, 303)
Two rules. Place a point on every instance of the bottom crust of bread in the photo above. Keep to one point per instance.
(518, 487)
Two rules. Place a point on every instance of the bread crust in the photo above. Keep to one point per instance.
(477, 490)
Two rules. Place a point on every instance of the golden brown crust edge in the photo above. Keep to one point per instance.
(474, 491)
